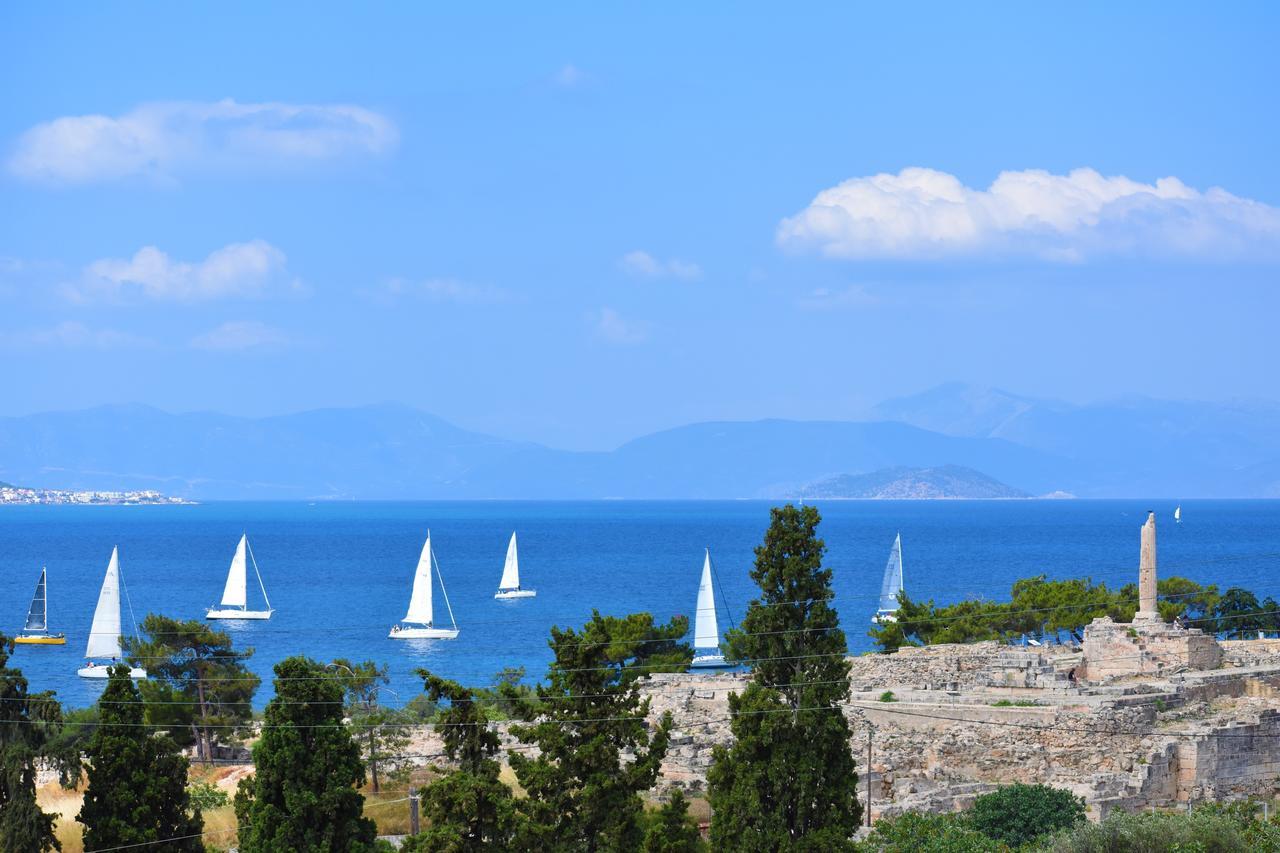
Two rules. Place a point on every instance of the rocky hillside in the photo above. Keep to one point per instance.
(901, 483)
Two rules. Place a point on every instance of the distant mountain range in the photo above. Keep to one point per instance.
(945, 482)
(1134, 447)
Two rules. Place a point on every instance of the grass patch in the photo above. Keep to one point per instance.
(1015, 703)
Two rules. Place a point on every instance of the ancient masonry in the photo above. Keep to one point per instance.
(1145, 714)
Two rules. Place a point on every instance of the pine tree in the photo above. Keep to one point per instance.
(672, 830)
(303, 796)
(582, 795)
(29, 729)
(789, 780)
(380, 732)
(198, 682)
(469, 808)
(137, 791)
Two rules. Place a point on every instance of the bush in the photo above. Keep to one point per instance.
(206, 797)
(1019, 814)
(1203, 831)
(888, 696)
(928, 833)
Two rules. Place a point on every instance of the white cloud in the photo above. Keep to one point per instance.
(610, 326)
(72, 335)
(926, 214)
(166, 139)
(569, 75)
(853, 296)
(240, 335)
(441, 290)
(237, 269)
(644, 265)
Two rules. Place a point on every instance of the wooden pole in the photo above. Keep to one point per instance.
(413, 811)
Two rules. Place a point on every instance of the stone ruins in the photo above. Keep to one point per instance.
(1145, 714)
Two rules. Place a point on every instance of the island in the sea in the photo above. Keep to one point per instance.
(11, 494)
(902, 483)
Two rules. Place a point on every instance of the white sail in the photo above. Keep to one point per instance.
(892, 584)
(38, 614)
(104, 634)
(1177, 513)
(706, 634)
(511, 568)
(420, 609)
(233, 594)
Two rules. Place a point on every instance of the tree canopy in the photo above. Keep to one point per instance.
(581, 792)
(303, 794)
(30, 724)
(197, 681)
(380, 732)
(789, 781)
(137, 791)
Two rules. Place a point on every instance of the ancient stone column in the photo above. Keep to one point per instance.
(1147, 611)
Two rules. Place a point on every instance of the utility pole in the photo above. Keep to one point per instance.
(413, 811)
(869, 730)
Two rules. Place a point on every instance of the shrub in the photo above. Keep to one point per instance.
(916, 832)
(888, 696)
(1019, 814)
(1202, 830)
(206, 797)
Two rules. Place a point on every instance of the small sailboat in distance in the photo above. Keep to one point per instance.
(509, 586)
(418, 623)
(234, 594)
(706, 631)
(104, 634)
(1177, 514)
(890, 586)
(36, 630)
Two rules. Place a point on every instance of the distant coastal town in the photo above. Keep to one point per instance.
(10, 494)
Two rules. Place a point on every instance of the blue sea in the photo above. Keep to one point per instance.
(339, 574)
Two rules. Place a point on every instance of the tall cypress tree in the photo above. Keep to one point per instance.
(302, 796)
(789, 781)
(582, 794)
(469, 809)
(137, 792)
(29, 727)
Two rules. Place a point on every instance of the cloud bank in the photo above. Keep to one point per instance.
(239, 335)
(168, 139)
(238, 269)
(71, 334)
(440, 290)
(926, 214)
(612, 327)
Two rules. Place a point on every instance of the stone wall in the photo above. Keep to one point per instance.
(1119, 649)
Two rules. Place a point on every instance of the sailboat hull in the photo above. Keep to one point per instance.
(423, 633)
(885, 618)
(710, 662)
(97, 670)
(41, 640)
(214, 613)
(515, 593)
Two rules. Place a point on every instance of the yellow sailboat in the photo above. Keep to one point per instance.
(36, 631)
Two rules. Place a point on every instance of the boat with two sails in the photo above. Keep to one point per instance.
(419, 621)
(104, 634)
(235, 593)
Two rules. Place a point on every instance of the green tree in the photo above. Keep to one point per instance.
(468, 808)
(672, 830)
(1019, 814)
(198, 682)
(137, 791)
(380, 731)
(303, 795)
(582, 794)
(1238, 614)
(789, 781)
(30, 724)
(916, 832)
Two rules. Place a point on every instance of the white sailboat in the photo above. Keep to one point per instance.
(509, 586)
(234, 594)
(1177, 514)
(706, 631)
(104, 634)
(419, 622)
(891, 585)
(36, 630)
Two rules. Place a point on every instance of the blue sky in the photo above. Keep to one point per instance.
(581, 224)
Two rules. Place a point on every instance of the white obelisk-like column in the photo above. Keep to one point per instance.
(1147, 611)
